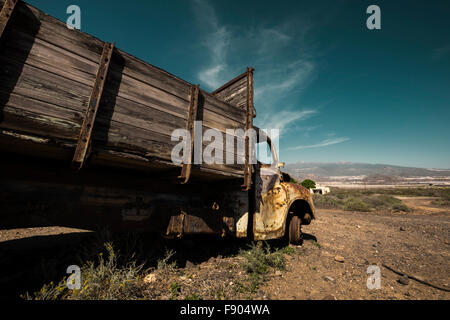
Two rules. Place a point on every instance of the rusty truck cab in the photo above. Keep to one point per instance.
(280, 206)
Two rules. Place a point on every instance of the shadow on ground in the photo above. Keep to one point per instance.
(29, 263)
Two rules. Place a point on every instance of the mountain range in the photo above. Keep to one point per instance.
(336, 169)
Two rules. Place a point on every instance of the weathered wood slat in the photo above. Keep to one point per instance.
(62, 149)
(161, 124)
(39, 52)
(58, 124)
(236, 94)
(43, 85)
(33, 21)
(60, 91)
(55, 32)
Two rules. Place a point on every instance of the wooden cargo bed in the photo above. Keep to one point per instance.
(46, 78)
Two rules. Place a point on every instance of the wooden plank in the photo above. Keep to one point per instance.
(88, 47)
(211, 119)
(65, 119)
(43, 54)
(84, 141)
(115, 135)
(42, 26)
(42, 85)
(235, 91)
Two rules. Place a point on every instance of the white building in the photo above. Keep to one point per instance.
(320, 190)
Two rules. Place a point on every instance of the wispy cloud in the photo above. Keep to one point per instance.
(285, 78)
(216, 42)
(276, 51)
(282, 119)
(324, 143)
(285, 63)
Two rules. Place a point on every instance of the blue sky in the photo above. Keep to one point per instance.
(336, 90)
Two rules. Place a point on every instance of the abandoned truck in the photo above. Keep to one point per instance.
(86, 141)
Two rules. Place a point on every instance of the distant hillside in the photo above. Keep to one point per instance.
(319, 169)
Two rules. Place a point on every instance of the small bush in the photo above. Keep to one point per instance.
(400, 207)
(164, 262)
(193, 297)
(175, 289)
(292, 180)
(309, 184)
(259, 260)
(355, 204)
(287, 250)
(105, 280)
(359, 200)
(327, 201)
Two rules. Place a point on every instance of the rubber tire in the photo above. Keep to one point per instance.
(295, 230)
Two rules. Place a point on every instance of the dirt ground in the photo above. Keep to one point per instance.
(417, 245)
(331, 263)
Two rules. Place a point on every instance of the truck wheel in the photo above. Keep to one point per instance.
(295, 231)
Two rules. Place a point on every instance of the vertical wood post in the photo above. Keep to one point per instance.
(248, 125)
(190, 127)
(84, 140)
(6, 13)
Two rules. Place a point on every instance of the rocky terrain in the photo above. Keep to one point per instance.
(332, 262)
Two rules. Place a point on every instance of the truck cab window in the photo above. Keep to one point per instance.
(264, 153)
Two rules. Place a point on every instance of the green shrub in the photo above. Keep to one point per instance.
(309, 184)
(287, 250)
(259, 259)
(355, 204)
(175, 289)
(292, 180)
(327, 201)
(193, 297)
(105, 280)
(400, 207)
(358, 200)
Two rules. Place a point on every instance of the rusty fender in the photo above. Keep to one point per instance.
(285, 197)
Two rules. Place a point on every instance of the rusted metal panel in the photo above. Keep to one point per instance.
(190, 127)
(6, 13)
(274, 206)
(84, 141)
(199, 221)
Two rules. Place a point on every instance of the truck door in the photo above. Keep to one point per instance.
(271, 198)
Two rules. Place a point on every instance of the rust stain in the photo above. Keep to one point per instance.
(270, 221)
